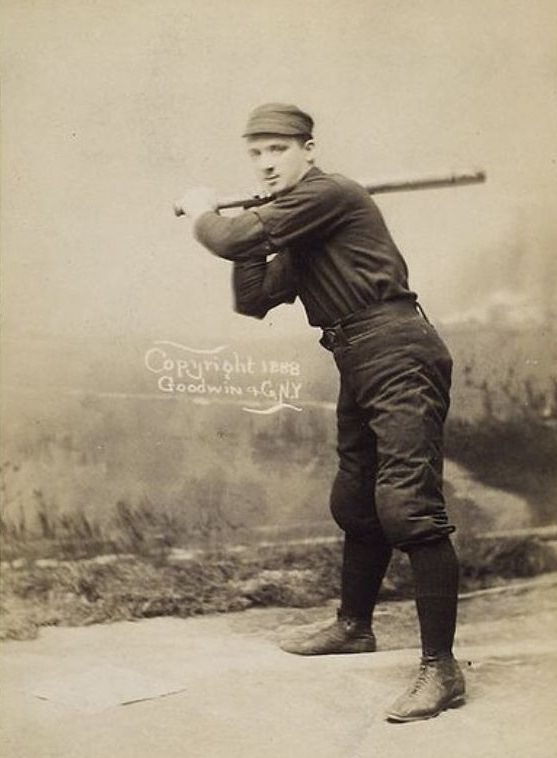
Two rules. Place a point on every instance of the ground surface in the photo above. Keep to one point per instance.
(236, 695)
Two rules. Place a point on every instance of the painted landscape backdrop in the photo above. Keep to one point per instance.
(191, 442)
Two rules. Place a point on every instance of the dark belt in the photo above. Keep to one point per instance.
(338, 334)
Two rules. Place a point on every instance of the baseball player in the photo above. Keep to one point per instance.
(322, 239)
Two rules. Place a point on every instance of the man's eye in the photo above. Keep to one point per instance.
(278, 148)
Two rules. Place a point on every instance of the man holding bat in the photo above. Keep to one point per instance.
(334, 252)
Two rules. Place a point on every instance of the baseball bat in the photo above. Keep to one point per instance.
(373, 187)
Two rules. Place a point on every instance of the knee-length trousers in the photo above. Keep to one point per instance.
(395, 377)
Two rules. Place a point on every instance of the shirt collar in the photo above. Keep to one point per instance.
(313, 171)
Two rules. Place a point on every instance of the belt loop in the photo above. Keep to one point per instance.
(341, 335)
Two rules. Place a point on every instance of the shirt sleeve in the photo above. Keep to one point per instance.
(260, 285)
(313, 209)
(232, 238)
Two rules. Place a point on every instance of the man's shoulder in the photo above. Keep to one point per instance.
(334, 182)
(317, 192)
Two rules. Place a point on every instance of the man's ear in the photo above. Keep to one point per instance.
(309, 148)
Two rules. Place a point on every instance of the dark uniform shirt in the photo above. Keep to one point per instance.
(333, 249)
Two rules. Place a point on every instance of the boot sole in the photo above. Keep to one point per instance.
(352, 651)
(456, 702)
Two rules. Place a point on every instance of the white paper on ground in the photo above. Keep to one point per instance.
(101, 687)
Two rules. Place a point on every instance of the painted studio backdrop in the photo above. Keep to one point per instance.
(137, 407)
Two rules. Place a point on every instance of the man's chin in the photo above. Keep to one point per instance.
(273, 187)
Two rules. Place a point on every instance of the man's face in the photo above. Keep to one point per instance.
(279, 162)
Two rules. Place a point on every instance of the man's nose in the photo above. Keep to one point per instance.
(267, 164)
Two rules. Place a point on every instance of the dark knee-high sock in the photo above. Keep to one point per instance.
(364, 565)
(435, 569)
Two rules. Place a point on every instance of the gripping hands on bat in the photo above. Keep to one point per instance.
(196, 201)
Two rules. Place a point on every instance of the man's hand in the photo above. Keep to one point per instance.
(196, 201)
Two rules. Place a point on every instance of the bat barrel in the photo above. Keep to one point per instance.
(434, 181)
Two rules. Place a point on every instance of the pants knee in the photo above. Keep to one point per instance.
(408, 520)
(352, 503)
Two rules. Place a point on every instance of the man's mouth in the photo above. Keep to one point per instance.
(271, 179)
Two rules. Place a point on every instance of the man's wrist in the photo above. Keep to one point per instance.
(196, 202)
(195, 213)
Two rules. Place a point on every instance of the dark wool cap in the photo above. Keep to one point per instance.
(278, 118)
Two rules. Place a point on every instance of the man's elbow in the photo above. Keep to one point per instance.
(250, 307)
(218, 246)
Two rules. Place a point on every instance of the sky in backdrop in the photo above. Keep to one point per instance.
(112, 110)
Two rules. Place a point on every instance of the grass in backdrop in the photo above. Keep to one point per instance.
(87, 476)
(83, 592)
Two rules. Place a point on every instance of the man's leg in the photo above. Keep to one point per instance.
(405, 386)
(364, 564)
(440, 682)
(435, 569)
(366, 552)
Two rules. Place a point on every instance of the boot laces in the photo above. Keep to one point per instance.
(424, 675)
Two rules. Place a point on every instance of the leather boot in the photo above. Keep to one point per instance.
(439, 685)
(345, 635)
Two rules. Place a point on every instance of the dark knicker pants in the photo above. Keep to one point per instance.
(395, 376)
